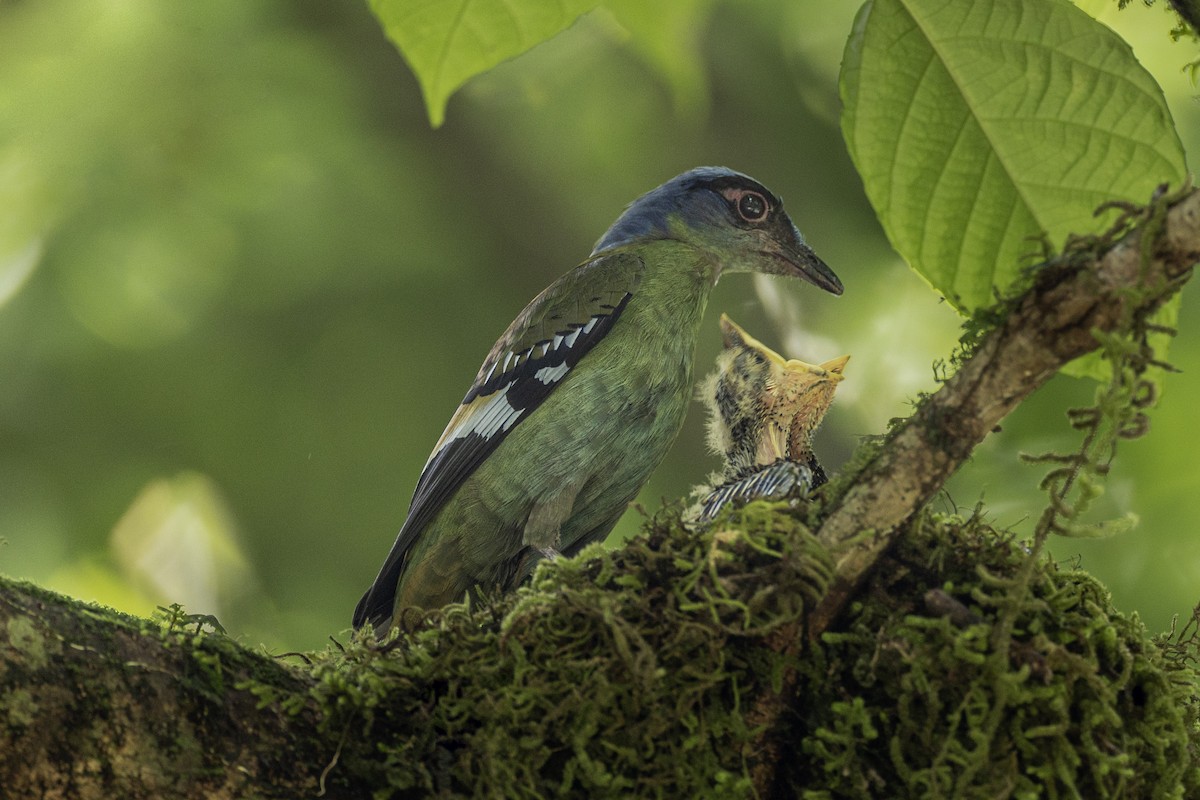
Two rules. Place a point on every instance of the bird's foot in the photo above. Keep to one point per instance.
(549, 553)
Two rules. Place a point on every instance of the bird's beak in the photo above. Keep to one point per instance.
(836, 366)
(793, 257)
(830, 370)
(733, 335)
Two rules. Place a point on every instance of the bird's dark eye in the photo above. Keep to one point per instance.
(752, 207)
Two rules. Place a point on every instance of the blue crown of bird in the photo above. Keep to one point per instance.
(579, 400)
(763, 410)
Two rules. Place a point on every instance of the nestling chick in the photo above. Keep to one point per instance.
(763, 411)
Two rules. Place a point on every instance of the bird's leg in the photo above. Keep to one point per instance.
(545, 520)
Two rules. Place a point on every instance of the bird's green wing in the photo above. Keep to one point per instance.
(539, 349)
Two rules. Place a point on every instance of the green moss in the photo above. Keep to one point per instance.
(1079, 703)
(631, 673)
(19, 707)
(24, 637)
(616, 674)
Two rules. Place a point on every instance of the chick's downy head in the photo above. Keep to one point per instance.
(763, 407)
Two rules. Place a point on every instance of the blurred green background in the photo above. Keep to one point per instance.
(243, 285)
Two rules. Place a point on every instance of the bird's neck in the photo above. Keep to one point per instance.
(662, 322)
(678, 272)
(675, 290)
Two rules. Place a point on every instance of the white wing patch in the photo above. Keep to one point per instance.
(552, 374)
(509, 368)
(494, 416)
(512, 385)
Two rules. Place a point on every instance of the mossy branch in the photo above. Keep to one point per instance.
(1189, 12)
(1055, 321)
(94, 703)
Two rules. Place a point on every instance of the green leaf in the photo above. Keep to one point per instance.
(447, 42)
(979, 126)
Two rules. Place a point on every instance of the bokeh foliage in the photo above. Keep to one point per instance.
(244, 284)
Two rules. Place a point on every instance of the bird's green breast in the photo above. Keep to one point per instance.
(604, 430)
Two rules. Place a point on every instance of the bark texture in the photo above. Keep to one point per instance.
(95, 704)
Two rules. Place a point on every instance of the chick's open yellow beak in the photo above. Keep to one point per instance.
(733, 335)
(830, 370)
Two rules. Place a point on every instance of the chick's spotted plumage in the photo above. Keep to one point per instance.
(763, 412)
(762, 407)
(581, 397)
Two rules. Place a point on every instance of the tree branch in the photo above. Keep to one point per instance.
(1051, 324)
(98, 704)
(1189, 12)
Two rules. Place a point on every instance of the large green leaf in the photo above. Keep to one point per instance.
(446, 42)
(979, 124)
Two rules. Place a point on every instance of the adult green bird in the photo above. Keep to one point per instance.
(582, 396)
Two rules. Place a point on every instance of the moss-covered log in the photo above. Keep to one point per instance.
(631, 673)
(635, 674)
(94, 703)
